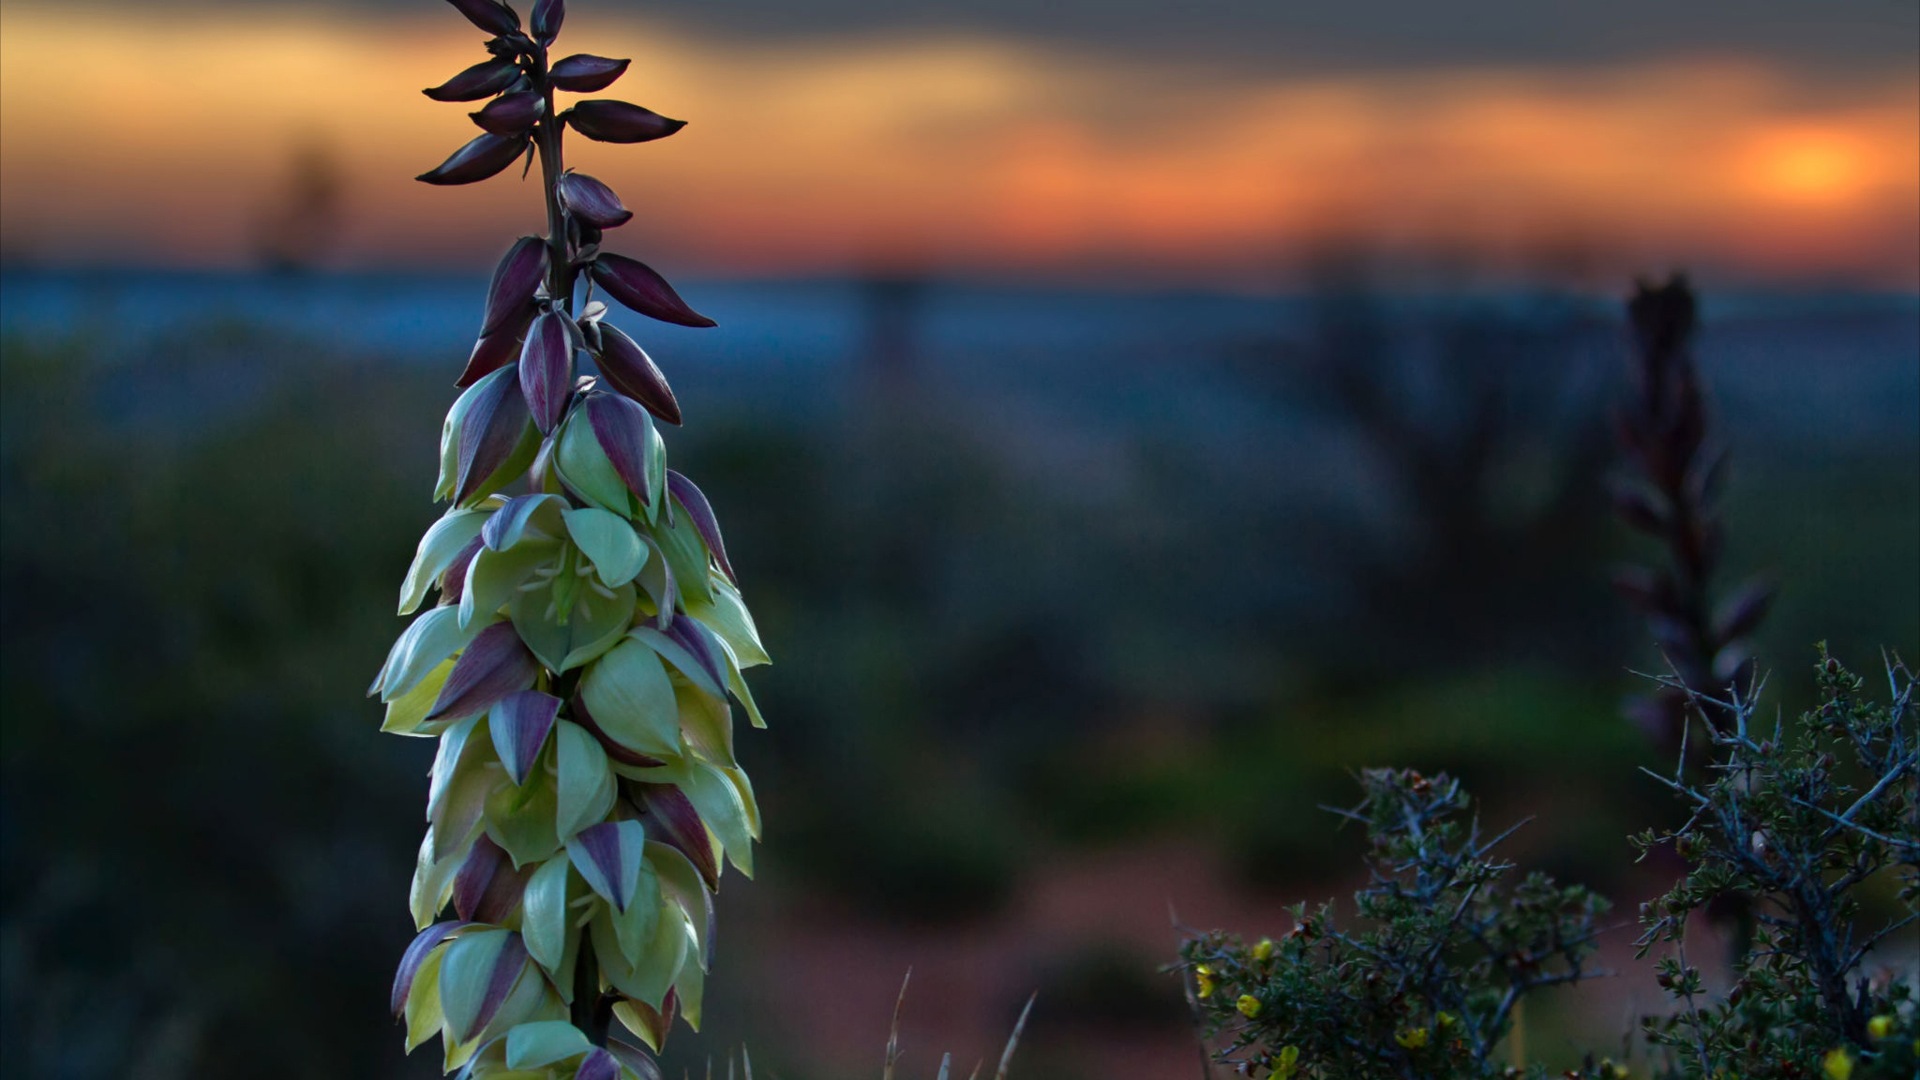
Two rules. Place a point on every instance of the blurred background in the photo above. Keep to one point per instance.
(1128, 419)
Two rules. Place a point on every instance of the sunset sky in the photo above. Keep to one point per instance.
(1218, 142)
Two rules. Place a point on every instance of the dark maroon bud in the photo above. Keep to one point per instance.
(492, 428)
(634, 284)
(592, 201)
(620, 427)
(638, 1061)
(584, 74)
(483, 79)
(498, 349)
(547, 17)
(519, 724)
(476, 874)
(598, 1065)
(546, 369)
(701, 513)
(453, 583)
(479, 159)
(673, 820)
(627, 366)
(490, 15)
(515, 280)
(699, 643)
(492, 666)
(506, 971)
(607, 120)
(415, 956)
(510, 114)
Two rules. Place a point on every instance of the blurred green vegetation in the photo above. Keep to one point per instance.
(207, 844)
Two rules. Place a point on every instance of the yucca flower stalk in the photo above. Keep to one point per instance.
(589, 636)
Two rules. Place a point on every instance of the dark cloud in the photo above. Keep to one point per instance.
(1315, 34)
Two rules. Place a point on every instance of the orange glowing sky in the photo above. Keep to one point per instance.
(163, 142)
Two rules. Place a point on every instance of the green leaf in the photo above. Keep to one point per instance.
(737, 683)
(584, 467)
(649, 979)
(432, 883)
(680, 882)
(687, 554)
(656, 580)
(521, 819)
(423, 1003)
(609, 542)
(444, 540)
(545, 919)
(429, 639)
(466, 968)
(676, 654)
(656, 472)
(447, 761)
(494, 577)
(634, 927)
(630, 697)
(726, 614)
(690, 987)
(743, 787)
(531, 1046)
(586, 782)
(707, 722)
(407, 714)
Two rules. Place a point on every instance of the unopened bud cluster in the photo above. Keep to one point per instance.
(582, 663)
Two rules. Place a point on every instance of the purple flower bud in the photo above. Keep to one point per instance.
(620, 427)
(454, 581)
(470, 885)
(416, 955)
(547, 17)
(584, 74)
(634, 284)
(515, 281)
(484, 79)
(510, 114)
(519, 723)
(598, 1065)
(546, 369)
(479, 159)
(701, 513)
(492, 666)
(673, 821)
(496, 350)
(489, 433)
(607, 120)
(628, 368)
(490, 15)
(592, 201)
(506, 971)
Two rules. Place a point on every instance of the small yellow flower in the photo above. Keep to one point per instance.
(1248, 1005)
(1609, 1067)
(1264, 950)
(1288, 1064)
(1880, 1027)
(1415, 1038)
(1838, 1064)
(1444, 1020)
(1203, 982)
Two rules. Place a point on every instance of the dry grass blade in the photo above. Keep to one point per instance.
(1013, 1040)
(946, 1066)
(893, 1032)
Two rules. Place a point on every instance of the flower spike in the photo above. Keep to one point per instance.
(579, 665)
